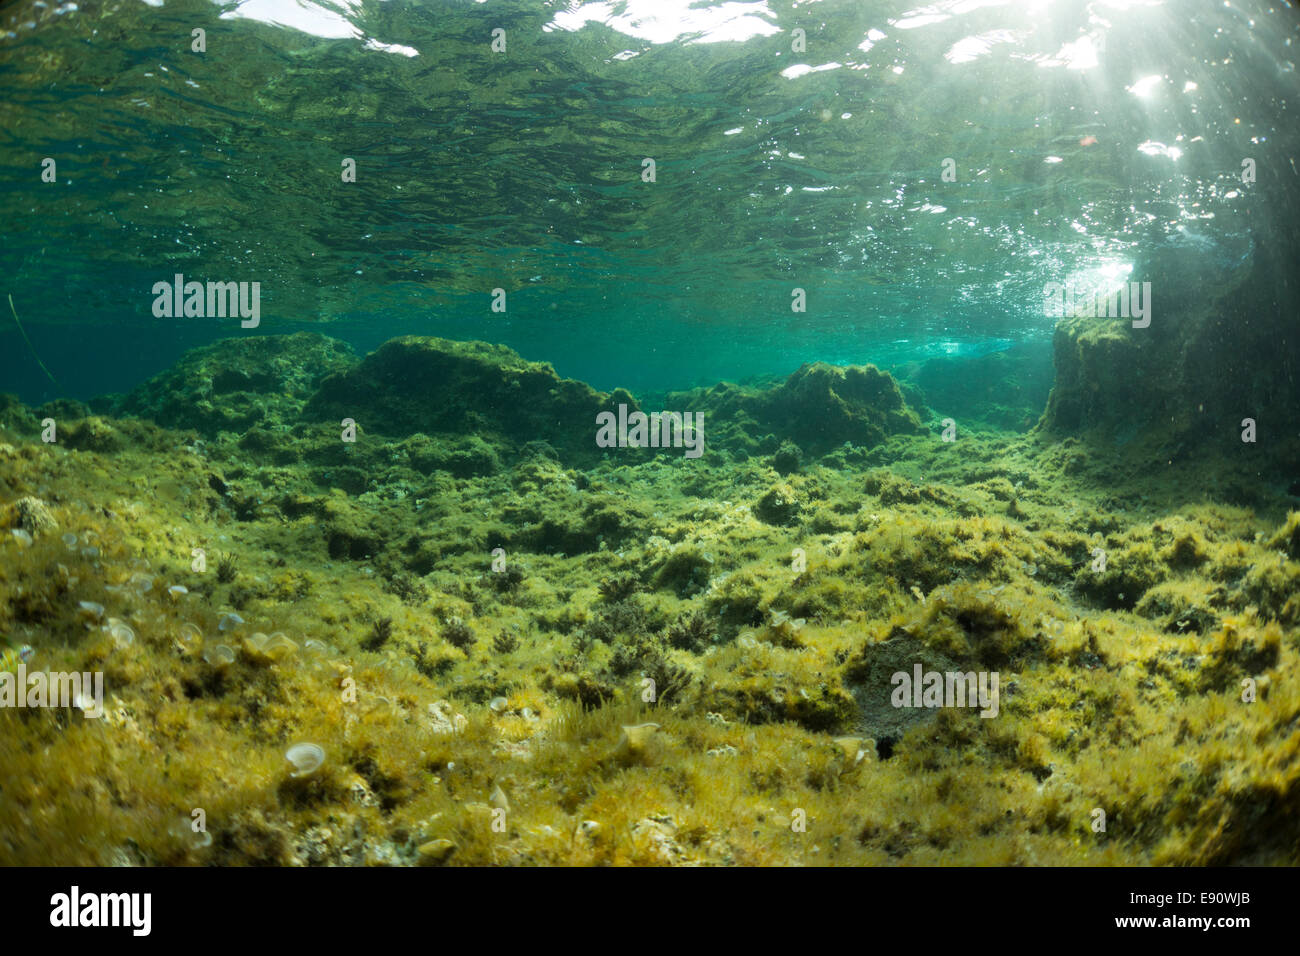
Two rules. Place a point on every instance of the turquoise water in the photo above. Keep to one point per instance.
(1082, 140)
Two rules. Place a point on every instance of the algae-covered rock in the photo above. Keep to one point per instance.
(439, 387)
(779, 505)
(896, 489)
(63, 409)
(1128, 573)
(1287, 538)
(821, 406)
(240, 382)
(787, 459)
(14, 415)
(685, 571)
(462, 456)
(1180, 607)
(818, 408)
(774, 698)
(272, 445)
(31, 515)
(1220, 348)
(93, 434)
(968, 624)
(349, 533)
(573, 523)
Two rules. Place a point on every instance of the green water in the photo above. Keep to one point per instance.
(1084, 139)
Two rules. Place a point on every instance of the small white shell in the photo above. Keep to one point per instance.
(188, 639)
(91, 609)
(121, 632)
(306, 759)
(220, 656)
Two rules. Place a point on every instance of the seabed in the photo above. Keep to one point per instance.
(471, 636)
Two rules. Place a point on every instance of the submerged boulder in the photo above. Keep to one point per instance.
(237, 383)
(432, 386)
(818, 408)
(466, 407)
(1221, 348)
(821, 406)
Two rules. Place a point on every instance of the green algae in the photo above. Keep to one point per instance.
(754, 618)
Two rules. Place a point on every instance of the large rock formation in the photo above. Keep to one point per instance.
(434, 386)
(1223, 346)
(238, 383)
(819, 408)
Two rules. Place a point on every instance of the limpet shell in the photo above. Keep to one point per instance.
(435, 852)
(189, 639)
(268, 649)
(305, 759)
(221, 655)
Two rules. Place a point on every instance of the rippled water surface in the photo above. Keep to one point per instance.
(1081, 141)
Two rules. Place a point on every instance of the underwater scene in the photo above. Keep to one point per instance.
(753, 433)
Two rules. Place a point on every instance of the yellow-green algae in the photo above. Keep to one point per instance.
(1121, 690)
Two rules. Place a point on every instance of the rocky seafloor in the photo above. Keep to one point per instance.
(466, 607)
